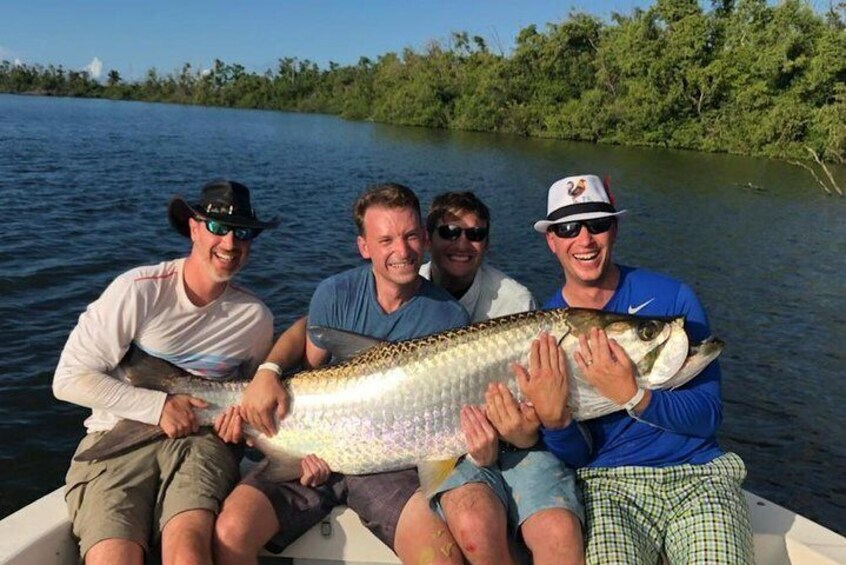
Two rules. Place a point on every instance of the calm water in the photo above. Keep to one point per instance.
(85, 184)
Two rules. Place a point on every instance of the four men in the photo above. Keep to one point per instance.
(505, 484)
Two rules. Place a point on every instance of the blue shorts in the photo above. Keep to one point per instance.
(526, 481)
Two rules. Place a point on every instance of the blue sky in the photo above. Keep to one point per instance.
(134, 36)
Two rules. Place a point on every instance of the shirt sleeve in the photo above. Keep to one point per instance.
(694, 409)
(95, 348)
(570, 444)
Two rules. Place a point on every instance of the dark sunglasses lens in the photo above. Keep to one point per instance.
(476, 234)
(246, 234)
(567, 230)
(217, 228)
(599, 225)
(450, 233)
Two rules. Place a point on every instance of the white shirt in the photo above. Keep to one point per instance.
(492, 294)
(148, 306)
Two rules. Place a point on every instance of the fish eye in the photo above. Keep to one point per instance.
(647, 331)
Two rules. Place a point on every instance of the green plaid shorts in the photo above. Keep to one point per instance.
(688, 513)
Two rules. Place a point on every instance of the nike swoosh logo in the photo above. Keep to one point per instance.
(635, 309)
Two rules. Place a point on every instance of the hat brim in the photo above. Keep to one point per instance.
(179, 212)
(543, 225)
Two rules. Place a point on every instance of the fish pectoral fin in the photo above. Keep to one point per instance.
(282, 468)
(433, 473)
(123, 438)
(342, 344)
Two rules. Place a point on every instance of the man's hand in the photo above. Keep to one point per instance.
(545, 383)
(315, 471)
(516, 423)
(606, 366)
(479, 435)
(264, 400)
(178, 418)
(228, 425)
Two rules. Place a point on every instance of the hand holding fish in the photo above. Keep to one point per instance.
(606, 366)
(228, 425)
(315, 471)
(265, 399)
(178, 418)
(545, 383)
(516, 422)
(480, 436)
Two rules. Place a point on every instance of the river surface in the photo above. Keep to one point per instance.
(85, 184)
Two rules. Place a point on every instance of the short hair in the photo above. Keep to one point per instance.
(390, 195)
(454, 205)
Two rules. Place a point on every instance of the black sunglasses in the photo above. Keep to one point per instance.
(221, 229)
(452, 232)
(569, 230)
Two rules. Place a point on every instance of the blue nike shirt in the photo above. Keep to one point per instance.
(677, 426)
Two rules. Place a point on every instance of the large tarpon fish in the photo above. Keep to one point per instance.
(396, 405)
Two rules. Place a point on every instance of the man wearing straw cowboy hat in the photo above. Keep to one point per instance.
(185, 311)
(653, 477)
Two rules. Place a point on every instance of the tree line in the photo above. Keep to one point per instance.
(741, 77)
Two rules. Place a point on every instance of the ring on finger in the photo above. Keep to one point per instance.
(588, 362)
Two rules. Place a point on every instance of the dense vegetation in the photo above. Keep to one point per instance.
(743, 77)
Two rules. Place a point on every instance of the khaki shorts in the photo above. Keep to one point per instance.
(132, 496)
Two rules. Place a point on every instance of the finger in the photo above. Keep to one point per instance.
(198, 402)
(522, 377)
(562, 359)
(267, 422)
(534, 357)
(543, 349)
(603, 351)
(529, 414)
(507, 399)
(618, 352)
(584, 348)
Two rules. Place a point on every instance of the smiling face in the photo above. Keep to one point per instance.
(586, 258)
(219, 257)
(458, 259)
(393, 239)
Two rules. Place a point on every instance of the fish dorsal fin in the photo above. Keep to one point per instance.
(123, 438)
(343, 344)
(433, 473)
(141, 369)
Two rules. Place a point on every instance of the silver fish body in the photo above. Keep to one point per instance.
(396, 405)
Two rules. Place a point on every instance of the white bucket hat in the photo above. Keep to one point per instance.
(580, 197)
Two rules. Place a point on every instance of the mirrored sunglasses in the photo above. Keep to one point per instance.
(221, 229)
(569, 230)
(452, 232)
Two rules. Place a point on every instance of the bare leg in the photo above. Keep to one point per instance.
(245, 525)
(187, 538)
(477, 519)
(115, 550)
(554, 536)
(422, 538)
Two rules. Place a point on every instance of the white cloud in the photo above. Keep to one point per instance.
(94, 68)
(17, 62)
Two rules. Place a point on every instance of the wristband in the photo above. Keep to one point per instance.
(271, 366)
(634, 401)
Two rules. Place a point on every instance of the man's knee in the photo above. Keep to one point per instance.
(476, 517)
(247, 521)
(554, 531)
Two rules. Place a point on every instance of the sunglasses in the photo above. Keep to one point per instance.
(221, 229)
(569, 230)
(452, 233)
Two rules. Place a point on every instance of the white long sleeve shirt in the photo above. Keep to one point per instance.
(492, 294)
(148, 306)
